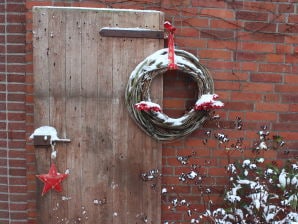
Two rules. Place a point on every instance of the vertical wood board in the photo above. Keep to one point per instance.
(80, 80)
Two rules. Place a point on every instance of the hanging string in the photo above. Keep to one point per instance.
(54, 152)
(171, 46)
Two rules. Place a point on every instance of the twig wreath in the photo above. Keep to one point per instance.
(149, 115)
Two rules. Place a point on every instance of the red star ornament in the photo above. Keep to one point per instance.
(52, 180)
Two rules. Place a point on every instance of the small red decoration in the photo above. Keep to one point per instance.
(52, 180)
(207, 102)
(171, 29)
(147, 106)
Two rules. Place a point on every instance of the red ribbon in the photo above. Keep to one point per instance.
(171, 54)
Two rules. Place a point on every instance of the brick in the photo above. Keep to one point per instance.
(16, 59)
(16, 78)
(224, 65)
(289, 136)
(259, 6)
(224, 24)
(260, 26)
(293, 108)
(226, 85)
(257, 87)
(177, 3)
(274, 68)
(262, 77)
(241, 106)
(16, 18)
(291, 59)
(217, 171)
(275, 58)
(17, 48)
(291, 98)
(284, 49)
(291, 39)
(293, 18)
(230, 76)
(209, 4)
(249, 56)
(10, 7)
(180, 93)
(222, 44)
(16, 38)
(2, 28)
(216, 54)
(17, 172)
(16, 68)
(190, 42)
(258, 47)
(235, 5)
(288, 117)
(284, 127)
(286, 8)
(67, 4)
(286, 88)
(19, 215)
(18, 181)
(217, 13)
(248, 66)
(168, 216)
(187, 32)
(271, 98)
(261, 116)
(263, 37)
(272, 107)
(253, 16)
(240, 96)
(16, 116)
(288, 28)
(2, 18)
(17, 163)
(217, 34)
(196, 22)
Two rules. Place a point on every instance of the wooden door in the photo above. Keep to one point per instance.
(80, 79)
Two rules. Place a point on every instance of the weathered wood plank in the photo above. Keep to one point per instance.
(42, 96)
(153, 148)
(105, 134)
(126, 172)
(56, 59)
(91, 163)
(73, 119)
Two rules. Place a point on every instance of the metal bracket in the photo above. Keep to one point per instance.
(131, 33)
(45, 140)
(42, 140)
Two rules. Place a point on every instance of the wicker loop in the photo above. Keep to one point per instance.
(156, 123)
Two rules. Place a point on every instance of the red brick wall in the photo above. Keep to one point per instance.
(13, 188)
(250, 47)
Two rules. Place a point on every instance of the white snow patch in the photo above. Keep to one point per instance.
(45, 130)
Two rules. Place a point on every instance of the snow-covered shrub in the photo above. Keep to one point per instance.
(260, 193)
(257, 190)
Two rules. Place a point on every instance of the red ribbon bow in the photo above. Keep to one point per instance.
(171, 54)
